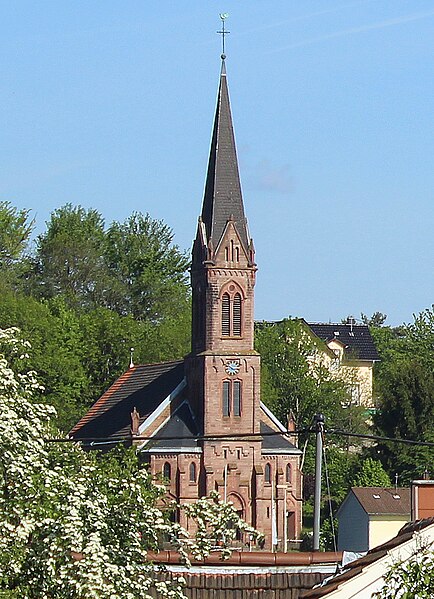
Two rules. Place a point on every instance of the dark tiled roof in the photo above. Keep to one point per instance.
(275, 442)
(379, 500)
(356, 339)
(180, 424)
(223, 198)
(142, 387)
(356, 567)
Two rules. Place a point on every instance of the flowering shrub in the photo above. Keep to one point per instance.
(74, 525)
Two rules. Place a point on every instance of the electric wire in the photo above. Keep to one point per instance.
(232, 436)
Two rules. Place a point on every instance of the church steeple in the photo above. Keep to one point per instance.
(223, 266)
(223, 198)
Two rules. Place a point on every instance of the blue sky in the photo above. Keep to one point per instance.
(110, 105)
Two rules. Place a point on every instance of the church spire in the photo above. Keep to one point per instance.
(223, 198)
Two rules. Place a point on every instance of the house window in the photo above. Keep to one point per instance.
(356, 393)
(192, 472)
(231, 314)
(231, 398)
(267, 473)
(288, 473)
(167, 471)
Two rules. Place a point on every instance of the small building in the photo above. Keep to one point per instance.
(370, 516)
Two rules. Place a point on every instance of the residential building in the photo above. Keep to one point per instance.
(351, 354)
(370, 516)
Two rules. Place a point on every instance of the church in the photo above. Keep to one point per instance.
(200, 423)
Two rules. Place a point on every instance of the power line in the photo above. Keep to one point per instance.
(380, 438)
(233, 437)
(129, 438)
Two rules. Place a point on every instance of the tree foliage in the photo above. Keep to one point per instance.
(371, 474)
(296, 379)
(75, 525)
(89, 294)
(405, 386)
(132, 268)
(15, 231)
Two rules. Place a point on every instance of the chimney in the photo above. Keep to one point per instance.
(422, 498)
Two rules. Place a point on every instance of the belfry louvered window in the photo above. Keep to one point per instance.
(237, 315)
(231, 398)
(226, 315)
(231, 315)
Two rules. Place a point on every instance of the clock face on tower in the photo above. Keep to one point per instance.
(232, 367)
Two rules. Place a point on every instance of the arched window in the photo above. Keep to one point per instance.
(226, 398)
(288, 473)
(192, 472)
(236, 399)
(267, 473)
(167, 471)
(231, 313)
(237, 315)
(231, 398)
(226, 315)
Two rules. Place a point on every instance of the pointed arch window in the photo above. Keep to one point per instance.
(167, 471)
(231, 314)
(236, 397)
(267, 473)
(231, 398)
(226, 398)
(193, 472)
(288, 473)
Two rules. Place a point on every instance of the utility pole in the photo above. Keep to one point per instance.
(319, 428)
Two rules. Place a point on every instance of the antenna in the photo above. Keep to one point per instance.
(223, 32)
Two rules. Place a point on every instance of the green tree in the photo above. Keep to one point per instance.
(148, 271)
(371, 474)
(376, 320)
(15, 230)
(296, 379)
(406, 412)
(69, 258)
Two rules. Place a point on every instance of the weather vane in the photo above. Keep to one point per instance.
(223, 32)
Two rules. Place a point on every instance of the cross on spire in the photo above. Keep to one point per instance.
(223, 32)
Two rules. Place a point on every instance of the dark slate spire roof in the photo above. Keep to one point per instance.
(223, 198)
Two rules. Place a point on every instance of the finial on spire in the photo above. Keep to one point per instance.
(131, 357)
(223, 32)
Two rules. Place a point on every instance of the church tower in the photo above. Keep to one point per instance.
(223, 371)
(200, 424)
